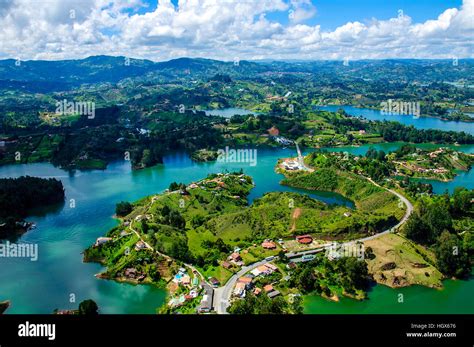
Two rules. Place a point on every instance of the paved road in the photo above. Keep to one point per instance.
(223, 294)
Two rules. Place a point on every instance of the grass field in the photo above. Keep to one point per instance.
(399, 262)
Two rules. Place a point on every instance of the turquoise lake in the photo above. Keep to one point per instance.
(417, 122)
(64, 232)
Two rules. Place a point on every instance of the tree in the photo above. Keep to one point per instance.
(180, 250)
(261, 304)
(221, 246)
(88, 308)
(165, 211)
(297, 305)
(438, 218)
(451, 256)
(417, 230)
(144, 226)
(306, 280)
(462, 201)
(177, 220)
(154, 273)
(356, 271)
(282, 256)
(123, 208)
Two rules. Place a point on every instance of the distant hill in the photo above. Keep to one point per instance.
(48, 76)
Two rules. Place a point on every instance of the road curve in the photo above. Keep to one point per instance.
(223, 294)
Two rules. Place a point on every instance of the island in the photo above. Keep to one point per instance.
(19, 195)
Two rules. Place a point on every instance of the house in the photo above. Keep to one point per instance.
(273, 131)
(214, 282)
(268, 288)
(130, 272)
(304, 239)
(186, 280)
(264, 270)
(256, 272)
(347, 214)
(140, 245)
(226, 265)
(193, 185)
(268, 245)
(235, 257)
(273, 293)
(101, 241)
(206, 302)
(291, 265)
(272, 267)
(247, 281)
(257, 291)
(239, 289)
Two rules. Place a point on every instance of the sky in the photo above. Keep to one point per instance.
(235, 30)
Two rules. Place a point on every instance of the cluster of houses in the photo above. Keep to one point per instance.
(192, 286)
(220, 184)
(434, 154)
(246, 283)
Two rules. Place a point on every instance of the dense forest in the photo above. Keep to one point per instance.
(438, 223)
(19, 195)
(395, 132)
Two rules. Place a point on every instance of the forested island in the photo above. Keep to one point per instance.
(19, 195)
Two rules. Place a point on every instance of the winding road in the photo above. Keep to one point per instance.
(223, 294)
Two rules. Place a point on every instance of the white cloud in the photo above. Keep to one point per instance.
(301, 10)
(58, 29)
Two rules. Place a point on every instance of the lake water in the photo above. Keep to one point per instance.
(455, 297)
(229, 112)
(417, 122)
(62, 234)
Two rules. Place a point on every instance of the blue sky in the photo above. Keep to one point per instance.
(333, 13)
(236, 29)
